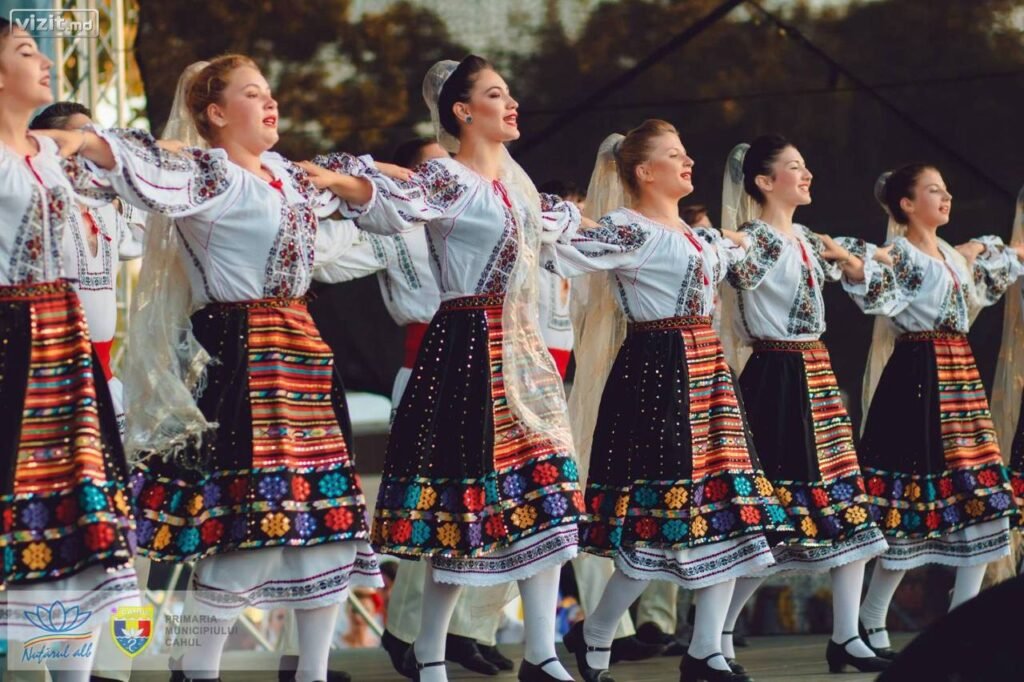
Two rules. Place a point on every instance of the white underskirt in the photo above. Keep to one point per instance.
(282, 577)
(974, 545)
(518, 561)
(796, 558)
(696, 567)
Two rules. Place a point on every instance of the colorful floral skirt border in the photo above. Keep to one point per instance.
(804, 440)
(1017, 464)
(464, 481)
(672, 465)
(63, 492)
(932, 465)
(278, 470)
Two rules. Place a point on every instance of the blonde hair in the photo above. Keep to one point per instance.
(208, 88)
(635, 148)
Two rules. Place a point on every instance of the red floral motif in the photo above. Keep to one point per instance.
(99, 536)
(67, 510)
(1018, 486)
(401, 530)
(9, 519)
(339, 518)
(545, 473)
(876, 486)
(988, 478)
(595, 503)
(300, 489)
(153, 497)
(932, 520)
(820, 497)
(577, 501)
(473, 498)
(597, 534)
(211, 531)
(238, 489)
(750, 515)
(945, 487)
(646, 528)
(495, 527)
(715, 490)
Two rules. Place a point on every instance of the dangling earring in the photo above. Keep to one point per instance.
(469, 120)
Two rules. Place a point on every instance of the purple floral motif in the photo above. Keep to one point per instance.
(273, 488)
(842, 491)
(800, 498)
(999, 501)
(555, 505)
(698, 494)
(35, 515)
(136, 481)
(450, 498)
(211, 494)
(951, 514)
(305, 524)
(897, 489)
(723, 521)
(145, 530)
(830, 526)
(475, 536)
(874, 512)
(514, 485)
(965, 480)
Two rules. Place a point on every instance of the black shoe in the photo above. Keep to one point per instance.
(400, 653)
(534, 672)
(463, 650)
(838, 658)
(174, 667)
(97, 678)
(495, 657)
(882, 652)
(420, 666)
(632, 648)
(733, 664)
(289, 664)
(652, 634)
(697, 670)
(577, 645)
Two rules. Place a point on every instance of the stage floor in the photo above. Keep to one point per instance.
(768, 659)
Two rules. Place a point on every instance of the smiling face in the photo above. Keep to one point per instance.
(789, 183)
(667, 170)
(24, 72)
(491, 112)
(931, 202)
(246, 113)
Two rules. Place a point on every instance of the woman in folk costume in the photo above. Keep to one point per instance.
(773, 316)
(67, 529)
(480, 478)
(935, 481)
(674, 489)
(237, 406)
(1008, 391)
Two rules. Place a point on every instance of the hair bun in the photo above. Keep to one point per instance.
(880, 189)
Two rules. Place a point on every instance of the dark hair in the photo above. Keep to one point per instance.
(692, 213)
(634, 148)
(408, 153)
(561, 188)
(457, 89)
(899, 185)
(56, 116)
(6, 29)
(763, 152)
(207, 87)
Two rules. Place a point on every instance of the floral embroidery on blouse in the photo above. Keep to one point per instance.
(765, 248)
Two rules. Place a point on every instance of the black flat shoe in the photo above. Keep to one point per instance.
(838, 658)
(174, 667)
(577, 645)
(882, 652)
(652, 634)
(633, 648)
(400, 653)
(534, 672)
(289, 664)
(734, 665)
(463, 650)
(494, 655)
(697, 670)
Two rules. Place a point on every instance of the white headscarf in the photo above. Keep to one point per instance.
(165, 366)
(1006, 392)
(738, 208)
(533, 386)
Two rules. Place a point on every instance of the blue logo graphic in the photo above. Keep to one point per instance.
(57, 618)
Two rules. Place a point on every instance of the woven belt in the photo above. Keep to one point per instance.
(669, 323)
(20, 291)
(473, 302)
(759, 345)
(260, 303)
(932, 336)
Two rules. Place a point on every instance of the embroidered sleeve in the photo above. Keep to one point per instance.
(884, 290)
(764, 248)
(728, 252)
(399, 205)
(829, 270)
(614, 244)
(174, 184)
(324, 202)
(343, 252)
(560, 216)
(129, 238)
(88, 187)
(994, 271)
